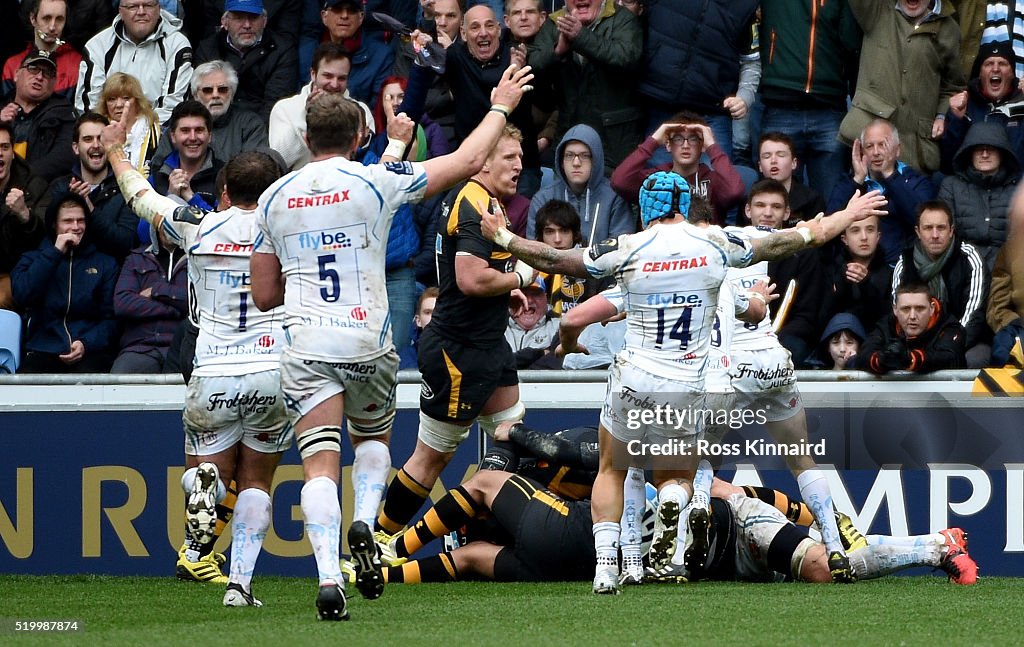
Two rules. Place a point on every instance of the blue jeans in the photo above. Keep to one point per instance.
(815, 137)
(401, 286)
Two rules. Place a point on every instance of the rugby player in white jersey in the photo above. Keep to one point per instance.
(235, 420)
(323, 234)
(760, 370)
(670, 274)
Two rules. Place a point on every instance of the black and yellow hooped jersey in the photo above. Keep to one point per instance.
(473, 321)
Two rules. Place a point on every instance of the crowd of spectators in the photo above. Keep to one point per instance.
(772, 110)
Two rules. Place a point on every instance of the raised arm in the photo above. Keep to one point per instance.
(468, 159)
(817, 232)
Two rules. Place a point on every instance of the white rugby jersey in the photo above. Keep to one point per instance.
(328, 224)
(670, 275)
(235, 337)
(748, 336)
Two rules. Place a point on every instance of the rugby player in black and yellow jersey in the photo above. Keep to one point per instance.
(468, 369)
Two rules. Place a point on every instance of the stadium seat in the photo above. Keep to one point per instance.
(10, 341)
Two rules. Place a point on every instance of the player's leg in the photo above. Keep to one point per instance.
(314, 396)
(207, 568)
(787, 423)
(458, 384)
(268, 434)
(452, 511)
(477, 558)
(634, 502)
(318, 436)
(946, 550)
(252, 521)
(205, 486)
(370, 393)
(606, 510)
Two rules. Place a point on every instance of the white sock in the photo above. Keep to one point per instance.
(634, 499)
(816, 494)
(248, 530)
(369, 475)
(877, 561)
(907, 542)
(322, 511)
(676, 492)
(702, 480)
(188, 480)
(606, 544)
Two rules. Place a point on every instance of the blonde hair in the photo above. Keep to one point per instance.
(120, 84)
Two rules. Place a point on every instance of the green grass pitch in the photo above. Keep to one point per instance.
(923, 610)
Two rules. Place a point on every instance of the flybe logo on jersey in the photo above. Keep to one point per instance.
(748, 282)
(672, 266)
(324, 240)
(305, 201)
(234, 279)
(675, 299)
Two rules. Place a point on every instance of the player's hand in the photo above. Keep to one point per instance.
(501, 432)
(401, 128)
(115, 134)
(75, 355)
(562, 350)
(859, 163)
(614, 318)
(10, 112)
(958, 104)
(737, 107)
(765, 290)
(15, 201)
(491, 222)
(514, 82)
(517, 302)
(855, 272)
(871, 203)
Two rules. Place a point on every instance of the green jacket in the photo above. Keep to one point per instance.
(907, 75)
(596, 82)
(808, 46)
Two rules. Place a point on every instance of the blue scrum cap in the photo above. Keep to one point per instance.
(662, 195)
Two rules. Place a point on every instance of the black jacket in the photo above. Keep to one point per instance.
(268, 72)
(49, 130)
(16, 237)
(870, 300)
(967, 282)
(889, 349)
(805, 315)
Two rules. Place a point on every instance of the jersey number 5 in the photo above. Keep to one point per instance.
(332, 292)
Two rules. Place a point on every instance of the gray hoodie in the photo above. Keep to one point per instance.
(603, 214)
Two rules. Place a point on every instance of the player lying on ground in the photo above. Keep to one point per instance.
(507, 518)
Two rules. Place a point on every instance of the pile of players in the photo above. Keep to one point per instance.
(299, 339)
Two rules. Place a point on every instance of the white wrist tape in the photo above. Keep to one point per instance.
(524, 272)
(503, 237)
(758, 296)
(150, 204)
(806, 234)
(396, 149)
